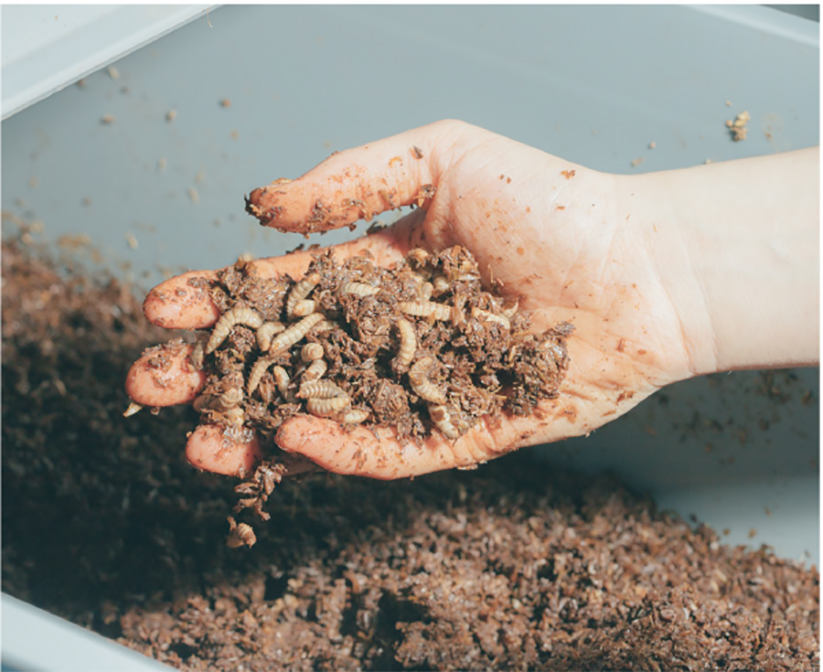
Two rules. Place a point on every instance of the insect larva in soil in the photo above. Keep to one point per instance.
(295, 333)
(240, 534)
(324, 325)
(320, 389)
(510, 308)
(440, 285)
(424, 293)
(282, 380)
(237, 315)
(358, 289)
(420, 383)
(196, 356)
(231, 398)
(303, 308)
(481, 314)
(257, 370)
(439, 311)
(441, 418)
(311, 352)
(419, 256)
(316, 370)
(235, 416)
(408, 344)
(132, 409)
(354, 416)
(327, 408)
(300, 291)
(267, 332)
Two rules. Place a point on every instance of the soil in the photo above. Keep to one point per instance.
(514, 565)
(416, 347)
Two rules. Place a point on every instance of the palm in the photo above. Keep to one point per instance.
(552, 232)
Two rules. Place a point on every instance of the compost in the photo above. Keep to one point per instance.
(418, 347)
(514, 565)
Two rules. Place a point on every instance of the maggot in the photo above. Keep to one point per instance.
(358, 289)
(408, 344)
(235, 416)
(196, 356)
(441, 418)
(439, 311)
(420, 383)
(354, 417)
(327, 408)
(481, 314)
(320, 389)
(424, 292)
(257, 371)
(231, 398)
(440, 285)
(282, 380)
(304, 307)
(237, 315)
(267, 332)
(295, 333)
(311, 352)
(316, 370)
(300, 291)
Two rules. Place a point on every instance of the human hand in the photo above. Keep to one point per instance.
(559, 236)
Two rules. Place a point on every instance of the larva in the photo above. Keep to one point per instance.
(294, 333)
(235, 416)
(439, 311)
(303, 308)
(424, 293)
(358, 289)
(316, 370)
(327, 408)
(420, 383)
(267, 332)
(440, 285)
(282, 380)
(441, 418)
(237, 315)
(300, 291)
(481, 314)
(354, 417)
(132, 409)
(196, 357)
(311, 351)
(257, 371)
(320, 389)
(408, 344)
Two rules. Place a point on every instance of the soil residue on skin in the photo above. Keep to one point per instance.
(515, 565)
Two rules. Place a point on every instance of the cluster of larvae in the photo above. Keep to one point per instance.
(419, 346)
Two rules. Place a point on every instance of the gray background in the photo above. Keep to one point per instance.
(592, 84)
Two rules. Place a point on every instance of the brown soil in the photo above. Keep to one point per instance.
(515, 565)
(476, 357)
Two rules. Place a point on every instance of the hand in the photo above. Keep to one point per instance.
(575, 245)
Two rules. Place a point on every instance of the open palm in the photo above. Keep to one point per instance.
(558, 236)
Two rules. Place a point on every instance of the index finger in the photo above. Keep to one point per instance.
(359, 183)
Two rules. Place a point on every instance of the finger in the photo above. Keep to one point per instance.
(164, 376)
(376, 453)
(183, 302)
(360, 183)
(213, 449)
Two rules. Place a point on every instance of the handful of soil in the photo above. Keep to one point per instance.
(418, 347)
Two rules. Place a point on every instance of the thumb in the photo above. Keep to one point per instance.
(362, 182)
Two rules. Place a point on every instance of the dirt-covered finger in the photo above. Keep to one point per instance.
(212, 448)
(360, 183)
(165, 376)
(374, 452)
(184, 302)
